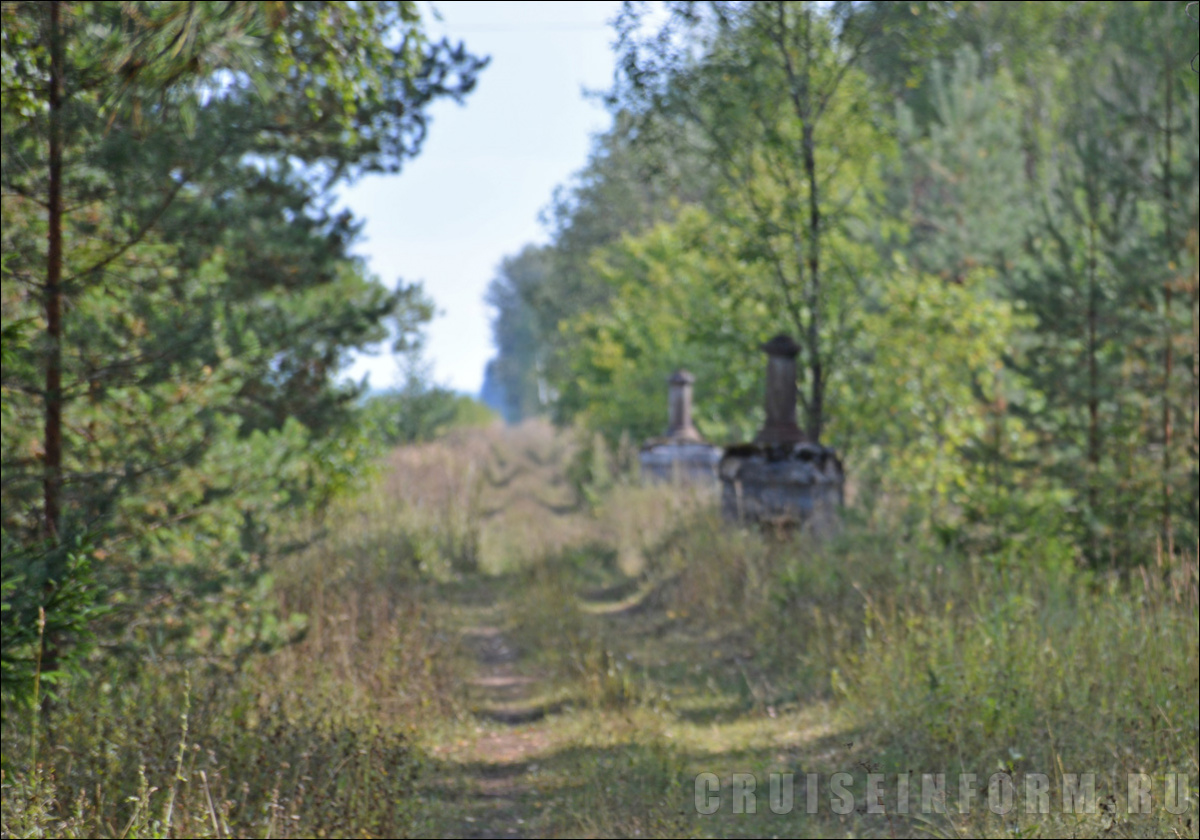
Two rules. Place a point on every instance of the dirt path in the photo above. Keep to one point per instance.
(586, 704)
(494, 789)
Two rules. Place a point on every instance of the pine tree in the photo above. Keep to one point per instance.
(178, 296)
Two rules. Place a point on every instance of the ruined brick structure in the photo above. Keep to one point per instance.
(681, 454)
(782, 476)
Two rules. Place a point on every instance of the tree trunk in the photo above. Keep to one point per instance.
(1194, 237)
(816, 414)
(1168, 534)
(52, 481)
(1093, 450)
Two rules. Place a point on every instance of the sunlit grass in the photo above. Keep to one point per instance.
(649, 642)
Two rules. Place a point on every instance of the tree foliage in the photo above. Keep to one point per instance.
(979, 220)
(179, 291)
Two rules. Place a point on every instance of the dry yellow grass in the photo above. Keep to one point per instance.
(487, 655)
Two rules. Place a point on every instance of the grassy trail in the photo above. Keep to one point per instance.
(591, 703)
(607, 655)
(496, 644)
(489, 790)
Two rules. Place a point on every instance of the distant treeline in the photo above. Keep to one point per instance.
(979, 220)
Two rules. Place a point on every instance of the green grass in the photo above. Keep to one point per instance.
(646, 642)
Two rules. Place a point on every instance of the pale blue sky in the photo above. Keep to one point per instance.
(488, 168)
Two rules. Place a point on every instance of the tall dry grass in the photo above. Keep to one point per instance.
(320, 736)
(930, 659)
